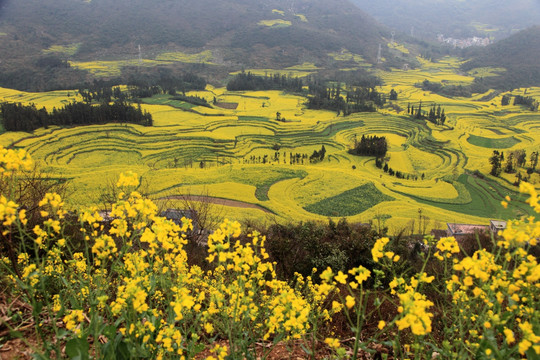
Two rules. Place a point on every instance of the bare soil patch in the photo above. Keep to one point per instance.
(227, 105)
(220, 201)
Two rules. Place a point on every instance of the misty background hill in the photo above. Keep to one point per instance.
(455, 18)
(240, 33)
(245, 34)
(519, 54)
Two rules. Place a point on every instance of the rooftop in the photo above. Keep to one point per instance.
(463, 229)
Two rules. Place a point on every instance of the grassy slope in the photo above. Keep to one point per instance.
(224, 35)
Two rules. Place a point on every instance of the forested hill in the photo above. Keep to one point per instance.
(518, 54)
(240, 33)
(455, 18)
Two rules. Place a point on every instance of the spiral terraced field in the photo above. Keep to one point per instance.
(232, 153)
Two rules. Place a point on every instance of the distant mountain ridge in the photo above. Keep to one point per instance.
(241, 33)
(455, 18)
(519, 55)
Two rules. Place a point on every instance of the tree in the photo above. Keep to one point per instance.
(521, 157)
(510, 166)
(393, 95)
(443, 117)
(495, 161)
(534, 160)
(419, 111)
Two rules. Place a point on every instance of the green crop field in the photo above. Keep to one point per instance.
(243, 153)
(503, 143)
(351, 202)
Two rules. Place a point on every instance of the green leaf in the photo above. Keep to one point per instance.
(77, 349)
(36, 310)
(122, 351)
(532, 355)
(109, 332)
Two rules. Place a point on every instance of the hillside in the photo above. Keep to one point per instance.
(455, 18)
(41, 36)
(517, 54)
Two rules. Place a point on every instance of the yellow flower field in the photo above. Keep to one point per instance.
(274, 22)
(69, 50)
(134, 286)
(225, 141)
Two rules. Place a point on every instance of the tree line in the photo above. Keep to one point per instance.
(18, 117)
(247, 81)
(357, 99)
(514, 161)
(436, 113)
(294, 158)
(380, 163)
(141, 85)
(477, 86)
(527, 101)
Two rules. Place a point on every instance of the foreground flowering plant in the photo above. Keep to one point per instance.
(124, 289)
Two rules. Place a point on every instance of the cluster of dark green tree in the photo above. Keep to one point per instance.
(516, 161)
(478, 86)
(247, 81)
(357, 99)
(142, 86)
(195, 100)
(527, 101)
(318, 156)
(18, 117)
(370, 146)
(436, 114)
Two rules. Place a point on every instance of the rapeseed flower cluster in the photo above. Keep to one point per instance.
(413, 306)
(378, 251)
(12, 161)
(130, 286)
(446, 247)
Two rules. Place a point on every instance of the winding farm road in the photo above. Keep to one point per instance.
(220, 201)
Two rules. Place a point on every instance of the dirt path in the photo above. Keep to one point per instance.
(220, 201)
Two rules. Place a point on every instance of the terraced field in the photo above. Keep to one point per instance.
(242, 153)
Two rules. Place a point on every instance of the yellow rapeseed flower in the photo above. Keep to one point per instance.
(349, 301)
(377, 251)
(128, 179)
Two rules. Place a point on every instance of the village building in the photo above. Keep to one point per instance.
(496, 225)
(463, 230)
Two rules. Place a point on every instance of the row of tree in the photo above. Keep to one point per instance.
(294, 159)
(318, 155)
(142, 86)
(436, 113)
(248, 81)
(380, 163)
(359, 99)
(18, 117)
(527, 101)
(514, 161)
